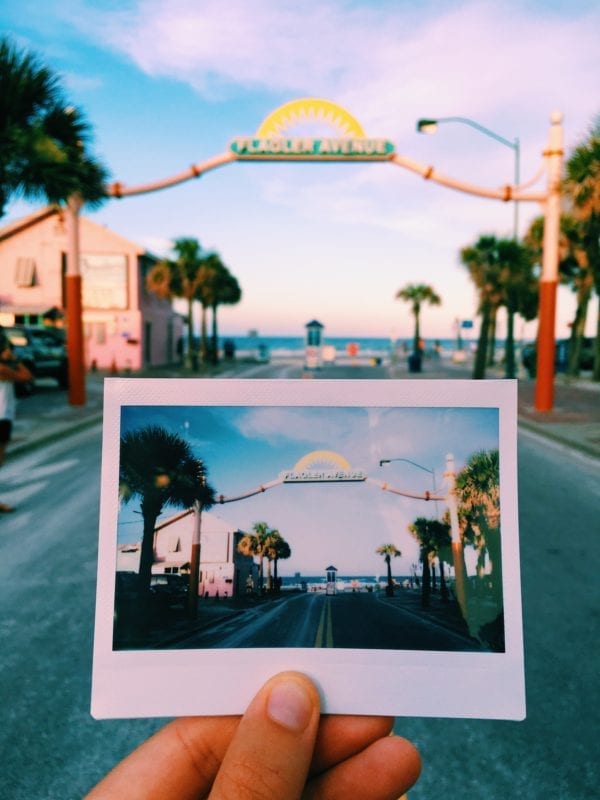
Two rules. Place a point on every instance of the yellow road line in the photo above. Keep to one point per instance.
(324, 637)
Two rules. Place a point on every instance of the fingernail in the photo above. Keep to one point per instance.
(289, 706)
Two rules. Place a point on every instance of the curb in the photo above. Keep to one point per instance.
(588, 450)
(52, 436)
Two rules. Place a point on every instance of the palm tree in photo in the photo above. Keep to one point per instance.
(478, 492)
(181, 277)
(159, 468)
(519, 288)
(441, 540)
(44, 141)
(388, 551)
(257, 544)
(423, 531)
(278, 548)
(418, 294)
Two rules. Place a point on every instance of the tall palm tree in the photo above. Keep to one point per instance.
(418, 294)
(441, 541)
(257, 544)
(422, 530)
(482, 263)
(181, 277)
(519, 291)
(218, 287)
(478, 491)
(44, 141)
(574, 271)
(277, 548)
(582, 187)
(160, 469)
(388, 551)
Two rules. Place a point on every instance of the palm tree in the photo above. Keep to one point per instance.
(478, 491)
(519, 291)
(160, 469)
(218, 287)
(417, 294)
(181, 277)
(574, 271)
(388, 551)
(277, 548)
(423, 530)
(43, 140)
(441, 540)
(582, 187)
(482, 262)
(257, 544)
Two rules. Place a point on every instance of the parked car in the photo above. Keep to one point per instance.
(561, 356)
(172, 589)
(43, 351)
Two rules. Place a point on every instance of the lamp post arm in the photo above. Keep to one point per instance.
(482, 129)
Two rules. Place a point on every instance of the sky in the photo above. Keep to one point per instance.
(169, 83)
(324, 523)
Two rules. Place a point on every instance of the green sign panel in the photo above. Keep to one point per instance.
(302, 148)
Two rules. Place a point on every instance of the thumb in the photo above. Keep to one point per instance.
(270, 754)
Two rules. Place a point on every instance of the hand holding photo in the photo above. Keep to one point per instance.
(362, 532)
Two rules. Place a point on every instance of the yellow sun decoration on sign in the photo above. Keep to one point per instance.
(310, 109)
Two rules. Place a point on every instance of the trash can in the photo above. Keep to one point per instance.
(414, 362)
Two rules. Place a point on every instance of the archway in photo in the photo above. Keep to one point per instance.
(349, 144)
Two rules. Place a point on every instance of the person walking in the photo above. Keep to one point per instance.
(11, 371)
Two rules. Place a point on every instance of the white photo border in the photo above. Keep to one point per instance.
(153, 683)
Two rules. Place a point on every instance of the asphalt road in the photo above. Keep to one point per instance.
(359, 621)
(51, 748)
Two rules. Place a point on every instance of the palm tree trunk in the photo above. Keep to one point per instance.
(444, 593)
(203, 336)
(417, 338)
(491, 345)
(509, 371)
(145, 569)
(390, 580)
(480, 356)
(596, 373)
(426, 584)
(214, 350)
(578, 330)
(192, 357)
(275, 577)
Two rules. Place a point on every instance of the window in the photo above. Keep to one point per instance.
(25, 272)
(174, 544)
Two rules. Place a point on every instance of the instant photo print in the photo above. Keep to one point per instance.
(362, 532)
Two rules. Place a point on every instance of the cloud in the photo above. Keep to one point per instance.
(386, 62)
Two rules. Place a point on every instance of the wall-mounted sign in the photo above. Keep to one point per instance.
(351, 144)
(104, 281)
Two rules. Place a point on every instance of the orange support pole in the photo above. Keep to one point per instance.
(73, 304)
(544, 385)
(75, 340)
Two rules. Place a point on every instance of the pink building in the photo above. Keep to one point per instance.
(124, 325)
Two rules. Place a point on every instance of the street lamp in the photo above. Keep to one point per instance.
(383, 461)
(430, 126)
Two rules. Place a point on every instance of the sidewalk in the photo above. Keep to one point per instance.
(574, 422)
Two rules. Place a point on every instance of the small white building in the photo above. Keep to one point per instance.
(223, 571)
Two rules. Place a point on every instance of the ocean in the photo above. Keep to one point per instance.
(368, 346)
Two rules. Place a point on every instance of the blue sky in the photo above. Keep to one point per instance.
(245, 447)
(168, 83)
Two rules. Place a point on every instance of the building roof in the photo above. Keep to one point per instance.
(27, 222)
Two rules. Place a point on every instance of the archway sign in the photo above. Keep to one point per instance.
(348, 143)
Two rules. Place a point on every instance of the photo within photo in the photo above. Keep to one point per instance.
(367, 528)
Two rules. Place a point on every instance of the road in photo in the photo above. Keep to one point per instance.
(358, 620)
